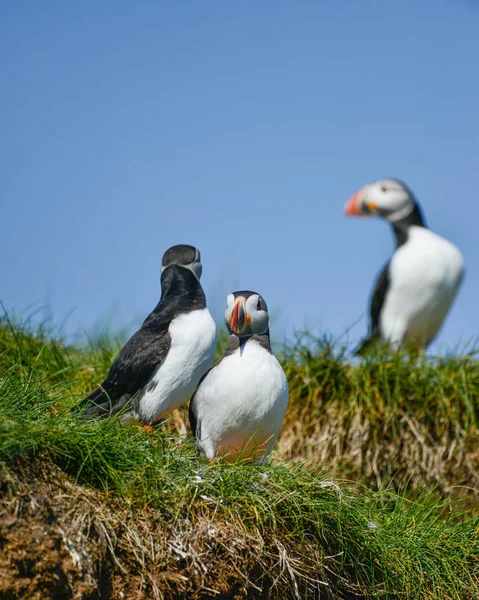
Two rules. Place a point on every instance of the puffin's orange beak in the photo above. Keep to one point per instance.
(239, 318)
(353, 206)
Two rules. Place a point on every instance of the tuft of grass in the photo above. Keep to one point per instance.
(286, 530)
(410, 420)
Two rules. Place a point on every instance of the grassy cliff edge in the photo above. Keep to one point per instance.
(93, 510)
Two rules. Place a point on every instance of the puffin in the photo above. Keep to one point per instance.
(160, 366)
(417, 286)
(239, 405)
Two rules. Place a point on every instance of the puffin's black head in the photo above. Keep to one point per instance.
(185, 256)
(388, 198)
(246, 314)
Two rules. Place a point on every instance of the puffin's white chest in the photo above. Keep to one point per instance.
(193, 345)
(425, 274)
(240, 405)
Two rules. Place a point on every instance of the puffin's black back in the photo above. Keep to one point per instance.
(148, 347)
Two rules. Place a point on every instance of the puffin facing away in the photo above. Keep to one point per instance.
(159, 368)
(240, 403)
(417, 286)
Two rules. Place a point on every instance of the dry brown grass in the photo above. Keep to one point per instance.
(63, 540)
(400, 421)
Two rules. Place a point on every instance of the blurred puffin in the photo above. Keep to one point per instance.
(159, 368)
(419, 283)
(240, 403)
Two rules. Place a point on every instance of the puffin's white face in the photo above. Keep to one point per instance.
(185, 256)
(246, 314)
(386, 198)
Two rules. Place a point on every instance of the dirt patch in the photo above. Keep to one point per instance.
(59, 540)
(44, 553)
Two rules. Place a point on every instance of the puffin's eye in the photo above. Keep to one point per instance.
(384, 188)
(258, 305)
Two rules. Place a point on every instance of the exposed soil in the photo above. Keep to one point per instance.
(59, 540)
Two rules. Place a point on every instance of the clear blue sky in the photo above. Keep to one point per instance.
(241, 128)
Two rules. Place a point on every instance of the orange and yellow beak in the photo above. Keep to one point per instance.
(359, 206)
(353, 206)
(239, 318)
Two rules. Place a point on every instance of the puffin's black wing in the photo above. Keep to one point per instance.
(147, 349)
(377, 302)
(130, 371)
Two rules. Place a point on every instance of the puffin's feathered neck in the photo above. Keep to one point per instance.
(180, 281)
(181, 292)
(235, 342)
(401, 227)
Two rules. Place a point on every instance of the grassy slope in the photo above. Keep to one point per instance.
(279, 531)
(388, 420)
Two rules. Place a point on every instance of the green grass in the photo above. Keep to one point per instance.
(308, 534)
